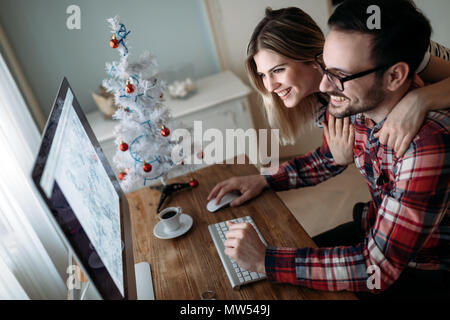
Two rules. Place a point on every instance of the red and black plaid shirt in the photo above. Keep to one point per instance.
(407, 223)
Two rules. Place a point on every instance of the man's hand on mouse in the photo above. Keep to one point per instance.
(244, 246)
(248, 186)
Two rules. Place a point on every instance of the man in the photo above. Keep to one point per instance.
(399, 243)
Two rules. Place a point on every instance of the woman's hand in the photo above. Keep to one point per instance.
(248, 186)
(402, 124)
(340, 135)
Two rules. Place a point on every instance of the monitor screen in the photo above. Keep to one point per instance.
(84, 196)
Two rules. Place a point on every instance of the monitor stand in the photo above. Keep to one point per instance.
(144, 283)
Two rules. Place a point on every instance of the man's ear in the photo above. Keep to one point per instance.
(397, 75)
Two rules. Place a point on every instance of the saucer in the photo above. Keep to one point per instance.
(186, 223)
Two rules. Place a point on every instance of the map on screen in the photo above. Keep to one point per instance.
(73, 163)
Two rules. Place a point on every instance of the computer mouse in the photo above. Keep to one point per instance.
(226, 199)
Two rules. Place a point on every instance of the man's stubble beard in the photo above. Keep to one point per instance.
(372, 99)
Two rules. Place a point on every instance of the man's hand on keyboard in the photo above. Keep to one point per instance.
(244, 246)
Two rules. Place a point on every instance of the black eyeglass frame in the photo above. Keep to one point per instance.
(330, 75)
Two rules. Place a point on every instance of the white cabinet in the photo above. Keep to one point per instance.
(220, 102)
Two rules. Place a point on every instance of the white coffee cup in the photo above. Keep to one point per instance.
(170, 218)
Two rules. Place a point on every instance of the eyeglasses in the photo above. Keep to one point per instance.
(337, 81)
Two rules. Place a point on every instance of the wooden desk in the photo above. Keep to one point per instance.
(184, 267)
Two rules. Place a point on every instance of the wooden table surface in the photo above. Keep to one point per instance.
(184, 267)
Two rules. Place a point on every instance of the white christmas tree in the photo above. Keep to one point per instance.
(144, 147)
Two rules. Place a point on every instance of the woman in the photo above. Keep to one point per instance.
(293, 102)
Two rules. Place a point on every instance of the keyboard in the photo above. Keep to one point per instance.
(237, 275)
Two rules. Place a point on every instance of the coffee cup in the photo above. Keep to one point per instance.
(170, 218)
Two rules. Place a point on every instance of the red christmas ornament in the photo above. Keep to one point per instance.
(129, 88)
(122, 175)
(123, 146)
(165, 131)
(113, 43)
(147, 167)
(193, 183)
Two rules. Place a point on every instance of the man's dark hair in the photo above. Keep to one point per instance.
(404, 33)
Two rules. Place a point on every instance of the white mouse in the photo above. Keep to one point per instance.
(226, 199)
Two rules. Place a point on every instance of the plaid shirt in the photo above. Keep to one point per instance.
(407, 223)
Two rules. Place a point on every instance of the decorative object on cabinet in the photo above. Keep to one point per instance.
(105, 102)
(182, 89)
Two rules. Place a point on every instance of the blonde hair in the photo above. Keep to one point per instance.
(292, 33)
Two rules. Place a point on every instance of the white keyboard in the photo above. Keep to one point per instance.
(237, 275)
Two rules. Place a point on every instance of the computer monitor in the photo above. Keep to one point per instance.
(87, 205)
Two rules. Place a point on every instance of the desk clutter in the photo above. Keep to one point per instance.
(173, 223)
(190, 266)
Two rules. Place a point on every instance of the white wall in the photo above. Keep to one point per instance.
(437, 11)
(175, 31)
(238, 19)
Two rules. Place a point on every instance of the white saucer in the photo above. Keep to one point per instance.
(186, 224)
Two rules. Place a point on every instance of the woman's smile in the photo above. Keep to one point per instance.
(284, 94)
